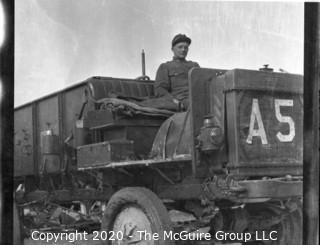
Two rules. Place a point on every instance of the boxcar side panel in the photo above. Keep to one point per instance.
(23, 142)
(48, 119)
(73, 101)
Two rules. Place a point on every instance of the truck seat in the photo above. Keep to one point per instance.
(134, 94)
(104, 87)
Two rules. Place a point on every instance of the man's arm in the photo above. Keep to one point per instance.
(196, 64)
(162, 83)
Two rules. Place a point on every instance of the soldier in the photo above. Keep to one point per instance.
(172, 76)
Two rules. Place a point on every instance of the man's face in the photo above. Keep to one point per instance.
(180, 50)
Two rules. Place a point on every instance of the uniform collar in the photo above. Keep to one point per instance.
(179, 60)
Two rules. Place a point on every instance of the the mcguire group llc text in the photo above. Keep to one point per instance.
(148, 236)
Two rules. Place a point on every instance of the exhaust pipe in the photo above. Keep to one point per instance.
(143, 64)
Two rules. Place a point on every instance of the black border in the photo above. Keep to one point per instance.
(6, 122)
(311, 124)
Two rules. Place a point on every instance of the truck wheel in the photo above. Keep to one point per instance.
(135, 209)
(289, 230)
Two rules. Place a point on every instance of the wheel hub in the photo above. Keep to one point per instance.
(131, 224)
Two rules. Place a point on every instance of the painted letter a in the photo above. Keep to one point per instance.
(256, 117)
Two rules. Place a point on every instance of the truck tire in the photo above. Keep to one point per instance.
(134, 209)
(289, 230)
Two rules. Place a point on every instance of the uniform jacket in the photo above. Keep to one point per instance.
(172, 79)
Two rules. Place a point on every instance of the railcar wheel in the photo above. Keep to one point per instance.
(134, 209)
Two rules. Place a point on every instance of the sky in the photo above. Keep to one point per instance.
(62, 42)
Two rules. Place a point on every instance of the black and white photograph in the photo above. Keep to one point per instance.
(157, 122)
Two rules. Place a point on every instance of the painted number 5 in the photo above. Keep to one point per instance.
(259, 131)
(285, 119)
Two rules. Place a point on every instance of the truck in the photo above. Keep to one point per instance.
(227, 169)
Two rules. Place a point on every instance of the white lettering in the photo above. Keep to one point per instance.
(273, 238)
(168, 235)
(50, 237)
(284, 119)
(256, 116)
(219, 235)
(247, 236)
(33, 235)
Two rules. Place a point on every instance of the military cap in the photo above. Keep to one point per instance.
(180, 38)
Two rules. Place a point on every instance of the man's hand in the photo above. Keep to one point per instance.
(176, 101)
(179, 104)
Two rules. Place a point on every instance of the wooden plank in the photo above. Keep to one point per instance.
(179, 159)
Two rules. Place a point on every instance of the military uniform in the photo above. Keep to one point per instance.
(172, 80)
